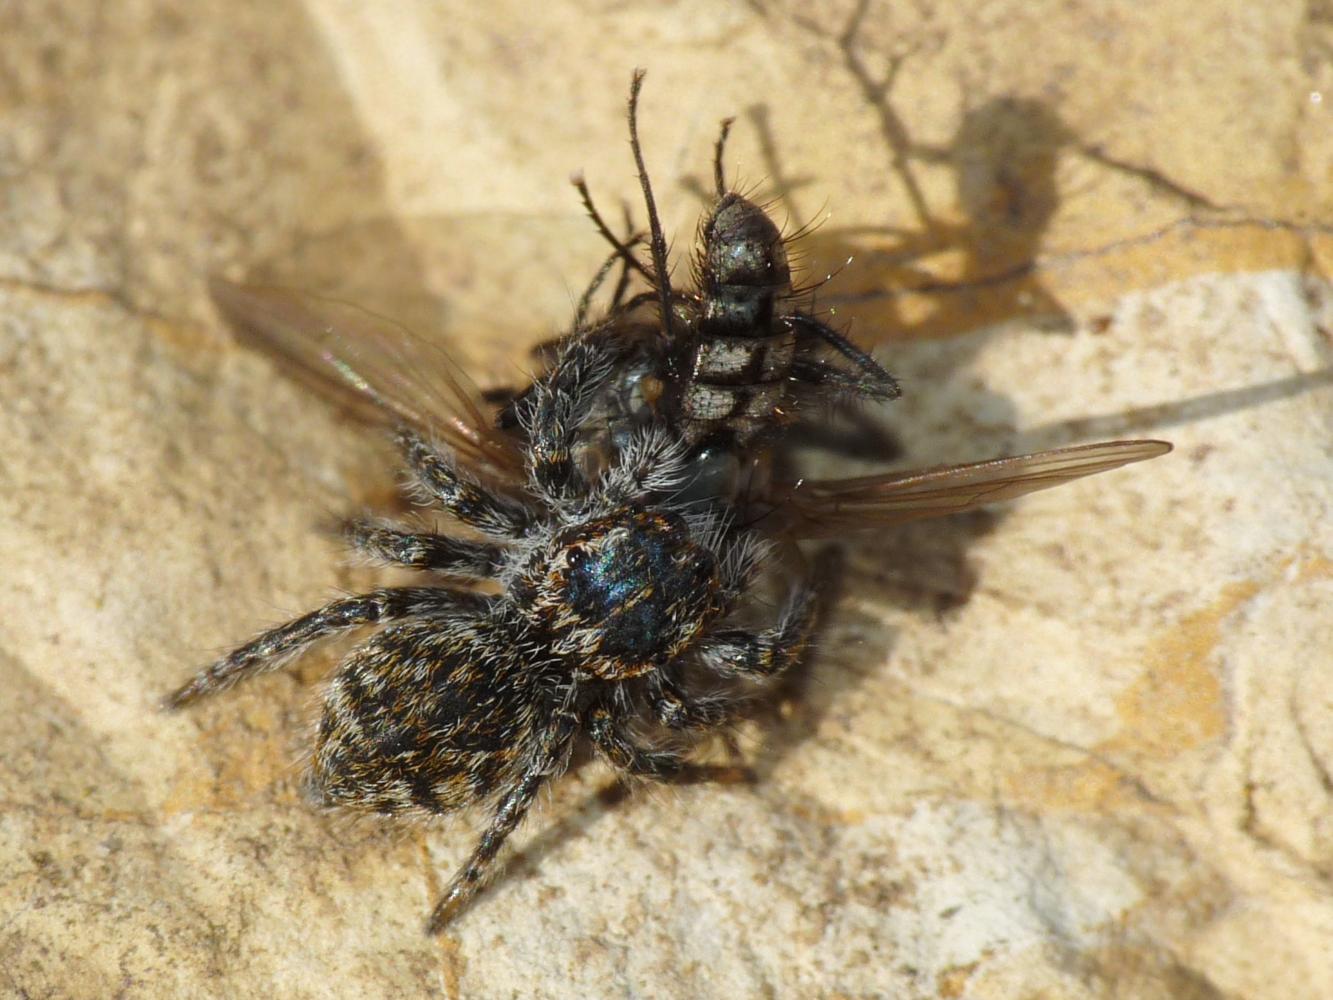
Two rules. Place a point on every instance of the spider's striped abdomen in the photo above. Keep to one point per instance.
(430, 715)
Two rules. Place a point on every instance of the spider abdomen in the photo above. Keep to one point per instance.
(422, 716)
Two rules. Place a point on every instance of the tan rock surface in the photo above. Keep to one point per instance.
(1080, 747)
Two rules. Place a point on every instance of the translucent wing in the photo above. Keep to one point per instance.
(376, 368)
(813, 509)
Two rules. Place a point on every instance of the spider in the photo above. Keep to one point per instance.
(611, 594)
(619, 568)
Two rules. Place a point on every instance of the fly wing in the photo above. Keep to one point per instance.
(819, 508)
(376, 368)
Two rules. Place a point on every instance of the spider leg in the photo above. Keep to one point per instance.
(736, 652)
(387, 543)
(877, 382)
(512, 807)
(653, 461)
(677, 710)
(606, 725)
(741, 553)
(465, 499)
(270, 649)
(560, 401)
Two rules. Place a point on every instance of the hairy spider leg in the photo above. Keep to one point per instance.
(439, 478)
(737, 652)
(676, 709)
(510, 811)
(560, 402)
(609, 724)
(387, 543)
(271, 649)
(608, 728)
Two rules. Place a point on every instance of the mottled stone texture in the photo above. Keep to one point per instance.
(1080, 747)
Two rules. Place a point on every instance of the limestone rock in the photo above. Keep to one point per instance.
(1077, 747)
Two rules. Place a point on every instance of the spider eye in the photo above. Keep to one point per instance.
(578, 558)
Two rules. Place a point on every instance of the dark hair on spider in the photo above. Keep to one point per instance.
(616, 585)
(612, 598)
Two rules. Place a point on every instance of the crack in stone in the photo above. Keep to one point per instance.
(101, 296)
(1135, 782)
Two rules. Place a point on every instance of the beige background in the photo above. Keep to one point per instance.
(1080, 747)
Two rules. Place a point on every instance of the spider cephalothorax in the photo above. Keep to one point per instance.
(626, 593)
(612, 592)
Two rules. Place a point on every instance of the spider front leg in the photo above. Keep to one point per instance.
(513, 806)
(560, 402)
(653, 461)
(736, 652)
(387, 543)
(269, 650)
(469, 501)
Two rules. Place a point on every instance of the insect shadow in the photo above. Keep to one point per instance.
(1004, 159)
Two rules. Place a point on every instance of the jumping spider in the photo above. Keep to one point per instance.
(618, 586)
(610, 593)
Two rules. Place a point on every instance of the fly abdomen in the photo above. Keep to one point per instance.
(743, 269)
(744, 410)
(741, 357)
(731, 360)
(737, 382)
